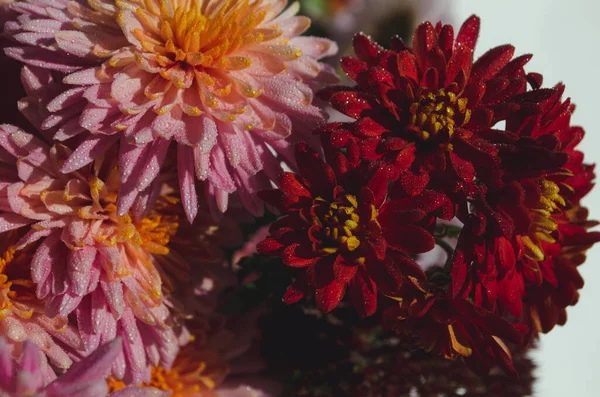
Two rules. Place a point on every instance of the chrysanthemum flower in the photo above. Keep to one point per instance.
(344, 232)
(545, 303)
(227, 80)
(502, 250)
(419, 110)
(22, 314)
(89, 260)
(452, 328)
(25, 377)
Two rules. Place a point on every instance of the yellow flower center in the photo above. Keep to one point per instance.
(151, 233)
(193, 372)
(17, 294)
(201, 32)
(438, 113)
(202, 35)
(341, 223)
(543, 225)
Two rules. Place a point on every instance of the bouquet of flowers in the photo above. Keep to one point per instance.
(179, 218)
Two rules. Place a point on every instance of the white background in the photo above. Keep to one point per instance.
(564, 38)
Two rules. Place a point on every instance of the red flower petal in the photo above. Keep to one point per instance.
(467, 35)
(315, 171)
(423, 42)
(365, 48)
(329, 296)
(363, 293)
(269, 246)
(407, 66)
(408, 238)
(379, 187)
(491, 62)
(351, 103)
(297, 255)
(353, 67)
(386, 274)
(342, 270)
(291, 186)
(297, 290)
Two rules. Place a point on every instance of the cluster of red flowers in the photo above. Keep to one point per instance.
(439, 137)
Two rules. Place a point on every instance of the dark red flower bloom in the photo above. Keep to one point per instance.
(345, 232)
(451, 327)
(513, 227)
(545, 304)
(419, 110)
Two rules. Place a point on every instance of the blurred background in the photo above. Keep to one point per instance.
(563, 36)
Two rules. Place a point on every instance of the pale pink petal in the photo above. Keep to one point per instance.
(92, 147)
(185, 170)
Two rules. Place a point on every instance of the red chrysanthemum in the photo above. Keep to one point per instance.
(513, 227)
(545, 303)
(345, 232)
(451, 327)
(419, 110)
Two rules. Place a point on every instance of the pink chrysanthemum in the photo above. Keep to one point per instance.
(227, 80)
(22, 314)
(89, 261)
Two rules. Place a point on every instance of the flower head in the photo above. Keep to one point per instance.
(419, 110)
(345, 232)
(88, 259)
(22, 313)
(545, 303)
(517, 226)
(224, 79)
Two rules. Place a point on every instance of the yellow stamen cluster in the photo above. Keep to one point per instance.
(156, 231)
(438, 112)
(543, 225)
(341, 224)
(151, 233)
(202, 33)
(17, 295)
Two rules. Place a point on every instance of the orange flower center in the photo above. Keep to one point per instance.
(341, 223)
(201, 32)
(151, 233)
(196, 40)
(543, 225)
(438, 113)
(193, 373)
(17, 293)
